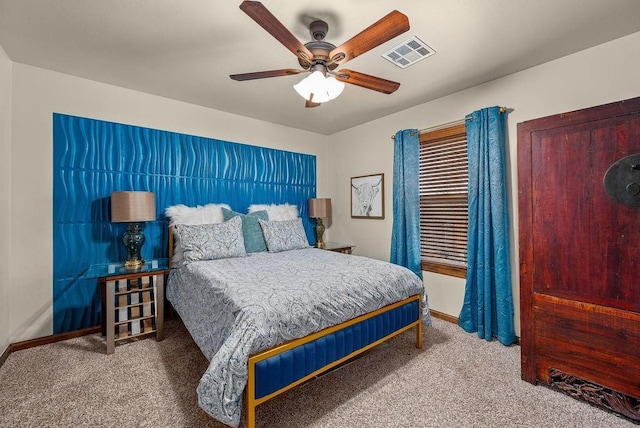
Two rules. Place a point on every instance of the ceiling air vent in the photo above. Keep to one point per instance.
(409, 52)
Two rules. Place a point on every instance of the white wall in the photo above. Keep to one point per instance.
(599, 75)
(6, 67)
(37, 94)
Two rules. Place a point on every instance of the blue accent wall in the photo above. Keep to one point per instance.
(92, 158)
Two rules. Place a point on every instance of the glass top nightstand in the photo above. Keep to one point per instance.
(115, 269)
(338, 247)
(132, 300)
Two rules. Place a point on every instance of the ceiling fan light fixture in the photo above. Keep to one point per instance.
(323, 88)
(334, 87)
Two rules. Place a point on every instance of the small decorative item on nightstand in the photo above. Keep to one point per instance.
(133, 208)
(319, 208)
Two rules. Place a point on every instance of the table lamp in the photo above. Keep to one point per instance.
(133, 208)
(319, 208)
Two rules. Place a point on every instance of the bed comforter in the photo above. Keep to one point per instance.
(236, 307)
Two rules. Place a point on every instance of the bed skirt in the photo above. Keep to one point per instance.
(281, 368)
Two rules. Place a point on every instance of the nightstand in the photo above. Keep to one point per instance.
(338, 247)
(132, 300)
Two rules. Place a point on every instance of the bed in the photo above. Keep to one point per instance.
(268, 321)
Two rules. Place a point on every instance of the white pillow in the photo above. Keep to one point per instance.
(182, 214)
(207, 214)
(277, 212)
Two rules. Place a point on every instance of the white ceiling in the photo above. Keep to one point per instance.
(186, 49)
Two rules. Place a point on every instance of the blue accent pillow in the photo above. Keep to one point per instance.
(251, 230)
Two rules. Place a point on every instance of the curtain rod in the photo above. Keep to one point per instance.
(453, 123)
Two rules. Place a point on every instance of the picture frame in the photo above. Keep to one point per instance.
(367, 197)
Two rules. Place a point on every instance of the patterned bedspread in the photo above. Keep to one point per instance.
(236, 307)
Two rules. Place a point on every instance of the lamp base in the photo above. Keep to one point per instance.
(133, 240)
(134, 264)
(319, 229)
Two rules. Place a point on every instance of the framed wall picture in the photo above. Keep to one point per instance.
(367, 196)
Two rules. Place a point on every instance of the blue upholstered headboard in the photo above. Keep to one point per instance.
(92, 158)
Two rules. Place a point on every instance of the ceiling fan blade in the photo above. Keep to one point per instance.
(366, 81)
(309, 103)
(266, 20)
(265, 74)
(392, 25)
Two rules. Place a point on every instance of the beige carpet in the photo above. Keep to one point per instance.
(457, 380)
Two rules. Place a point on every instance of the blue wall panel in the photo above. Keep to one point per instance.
(92, 158)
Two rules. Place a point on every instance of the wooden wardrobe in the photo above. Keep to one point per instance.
(580, 254)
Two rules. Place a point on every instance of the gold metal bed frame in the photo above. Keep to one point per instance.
(252, 402)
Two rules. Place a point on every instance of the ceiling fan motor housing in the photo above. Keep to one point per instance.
(319, 48)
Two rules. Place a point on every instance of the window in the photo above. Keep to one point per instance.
(443, 200)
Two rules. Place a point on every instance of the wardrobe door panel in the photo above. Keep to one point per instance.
(584, 242)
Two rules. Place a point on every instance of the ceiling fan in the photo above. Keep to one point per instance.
(321, 58)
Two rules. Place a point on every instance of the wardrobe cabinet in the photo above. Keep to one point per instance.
(580, 253)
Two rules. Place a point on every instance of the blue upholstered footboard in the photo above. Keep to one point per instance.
(283, 369)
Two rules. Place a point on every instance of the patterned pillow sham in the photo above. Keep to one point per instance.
(284, 235)
(211, 241)
(277, 212)
(251, 230)
(182, 214)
